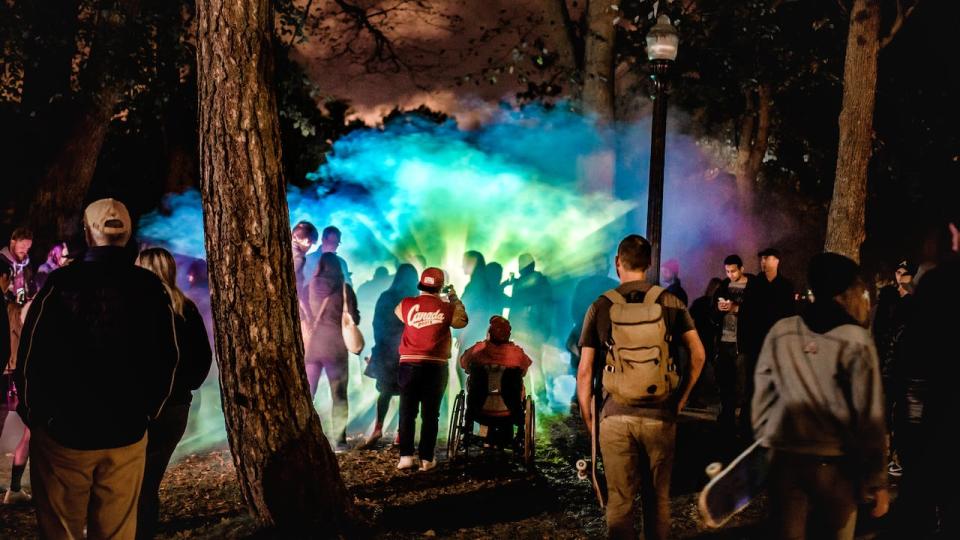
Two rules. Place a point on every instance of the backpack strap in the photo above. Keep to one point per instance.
(653, 294)
(614, 296)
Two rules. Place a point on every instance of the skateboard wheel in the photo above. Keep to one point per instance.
(581, 465)
(581, 475)
(714, 469)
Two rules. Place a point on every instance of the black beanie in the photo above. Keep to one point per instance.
(830, 274)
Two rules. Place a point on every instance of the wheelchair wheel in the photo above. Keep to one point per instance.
(529, 432)
(455, 437)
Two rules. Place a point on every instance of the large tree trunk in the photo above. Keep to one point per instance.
(598, 60)
(287, 471)
(845, 223)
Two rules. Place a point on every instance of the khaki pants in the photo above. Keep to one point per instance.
(96, 489)
(637, 458)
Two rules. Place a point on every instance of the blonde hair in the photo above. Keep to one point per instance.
(161, 262)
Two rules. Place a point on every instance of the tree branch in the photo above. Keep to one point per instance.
(299, 29)
(383, 48)
(897, 25)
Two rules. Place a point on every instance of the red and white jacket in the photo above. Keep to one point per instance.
(427, 320)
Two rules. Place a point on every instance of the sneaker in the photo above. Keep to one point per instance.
(341, 448)
(16, 497)
(895, 469)
(427, 465)
(371, 440)
(406, 462)
(396, 440)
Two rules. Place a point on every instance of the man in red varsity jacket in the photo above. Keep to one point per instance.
(424, 351)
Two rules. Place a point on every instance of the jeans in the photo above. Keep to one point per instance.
(637, 456)
(338, 375)
(731, 378)
(421, 388)
(165, 433)
(802, 486)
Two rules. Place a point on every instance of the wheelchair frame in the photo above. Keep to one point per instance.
(460, 438)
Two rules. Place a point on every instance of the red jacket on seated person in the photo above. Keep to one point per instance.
(504, 396)
(508, 355)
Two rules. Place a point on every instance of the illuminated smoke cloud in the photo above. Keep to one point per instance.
(520, 184)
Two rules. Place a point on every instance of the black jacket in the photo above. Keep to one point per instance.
(196, 356)
(98, 352)
(764, 303)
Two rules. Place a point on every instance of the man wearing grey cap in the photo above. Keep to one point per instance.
(95, 364)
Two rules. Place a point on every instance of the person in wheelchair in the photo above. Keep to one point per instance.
(495, 391)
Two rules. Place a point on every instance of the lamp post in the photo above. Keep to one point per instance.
(662, 43)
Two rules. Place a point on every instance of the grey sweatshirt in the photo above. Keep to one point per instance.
(820, 393)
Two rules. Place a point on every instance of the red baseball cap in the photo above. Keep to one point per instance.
(431, 280)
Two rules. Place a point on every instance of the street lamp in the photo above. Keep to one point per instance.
(662, 44)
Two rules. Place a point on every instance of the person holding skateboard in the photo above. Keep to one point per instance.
(819, 409)
(629, 391)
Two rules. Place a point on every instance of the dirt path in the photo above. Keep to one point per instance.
(490, 496)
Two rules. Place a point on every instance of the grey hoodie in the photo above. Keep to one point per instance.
(818, 391)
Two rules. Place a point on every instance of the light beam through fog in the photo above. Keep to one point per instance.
(521, 184)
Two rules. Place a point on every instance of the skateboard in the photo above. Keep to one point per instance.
(597, 480)
(733, 488)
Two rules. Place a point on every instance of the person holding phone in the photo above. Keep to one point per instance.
(425, 349)
(730, 365)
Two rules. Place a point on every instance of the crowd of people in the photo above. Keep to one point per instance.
(840, 406)
(843, 395)
(105, 352)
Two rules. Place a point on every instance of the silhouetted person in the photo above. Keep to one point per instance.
(585, 293)
(387, 331)
(478, 299)
(330, 296)
(531, 314)
(58, 256)
(670, 280)
(196, 357)
(767, 298)
(928, 371)
(701, 310)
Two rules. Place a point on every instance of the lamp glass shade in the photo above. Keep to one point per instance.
(662, 40)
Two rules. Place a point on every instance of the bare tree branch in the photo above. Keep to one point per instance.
(383, 49)
(299, 29)
(902, 16)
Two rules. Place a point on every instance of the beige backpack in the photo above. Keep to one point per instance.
(639, 369)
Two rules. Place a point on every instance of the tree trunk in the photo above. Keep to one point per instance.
(598, 60)
(846, 220)
(752, 144)
(49, 52)
(287, 471)
(58, 200)
(62, 185)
